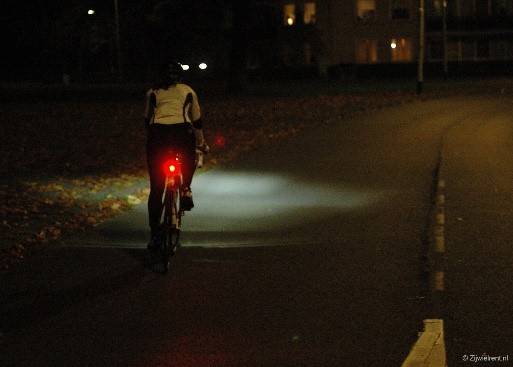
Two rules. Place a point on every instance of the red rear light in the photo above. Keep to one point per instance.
(172, 167)
(219, 141)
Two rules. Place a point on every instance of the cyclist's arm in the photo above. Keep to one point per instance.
(195, 111)
(197, 121)
(149, 110)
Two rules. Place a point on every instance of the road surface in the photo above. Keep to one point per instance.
(317, 250)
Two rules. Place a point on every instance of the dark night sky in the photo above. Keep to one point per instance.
(25, 28)
(35, 40)
(29, 21)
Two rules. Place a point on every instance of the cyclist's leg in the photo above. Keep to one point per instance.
(188, 149)
(154, 152)
(157, 183)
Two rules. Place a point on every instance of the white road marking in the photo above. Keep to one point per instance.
(429, 350)
(439, 281)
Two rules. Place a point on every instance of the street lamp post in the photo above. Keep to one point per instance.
(420, 71)
(117, 40)
(444, 31)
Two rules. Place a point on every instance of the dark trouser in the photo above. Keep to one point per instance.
(161, 138)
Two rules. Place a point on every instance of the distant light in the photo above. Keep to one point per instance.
(185, 67)
(393, 44)
(219, 141)
(202, 66)
(91, 12)
(290, 21)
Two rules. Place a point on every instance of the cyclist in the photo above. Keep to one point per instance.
(173, 120)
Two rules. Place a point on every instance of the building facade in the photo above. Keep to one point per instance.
(370, 31)
(327, 33)
(477, 30)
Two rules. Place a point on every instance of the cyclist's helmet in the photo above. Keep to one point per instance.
(170, 73)
(175, 70)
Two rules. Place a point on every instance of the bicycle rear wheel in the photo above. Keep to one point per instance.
(170, 227)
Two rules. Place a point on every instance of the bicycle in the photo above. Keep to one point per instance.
(172, 212)
(171, 216)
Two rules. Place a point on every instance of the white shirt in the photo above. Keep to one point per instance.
(170, 105)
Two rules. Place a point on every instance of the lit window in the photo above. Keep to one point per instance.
(401, 49)
(289, 14)
(366, 9)
(309, 13)
(400, 9)
(367, 51)
(437, 6)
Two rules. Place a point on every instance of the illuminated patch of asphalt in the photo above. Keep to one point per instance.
(258, 209)
(240, 209)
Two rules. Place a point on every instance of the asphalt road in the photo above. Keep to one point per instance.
(307, 252)
(478, 172)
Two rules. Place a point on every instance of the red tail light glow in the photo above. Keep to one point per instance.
(172, 167)
(219, 141)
